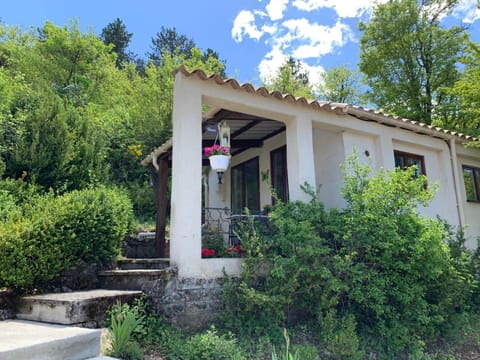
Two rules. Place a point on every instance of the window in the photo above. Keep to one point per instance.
(471, 178)
(246, 186)
(404, 160)
(278, 166)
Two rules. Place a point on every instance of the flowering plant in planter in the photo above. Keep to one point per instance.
(206, 253)
(216, 150)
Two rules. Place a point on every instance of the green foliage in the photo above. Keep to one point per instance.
(124, 320)
(341, 85)
(409, 59)
(291, 78)
(54, 233)
(212, 346)
(376, 276)
(463, 112)
(116, 34)
(71, 117)
(300, 352)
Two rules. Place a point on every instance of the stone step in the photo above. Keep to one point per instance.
(29, 340)
(87, 308)
(129, 279)
(134, 264)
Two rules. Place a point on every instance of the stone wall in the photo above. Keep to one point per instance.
(188, 303)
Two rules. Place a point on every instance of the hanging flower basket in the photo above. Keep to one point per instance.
(219, 163)
(219, 157)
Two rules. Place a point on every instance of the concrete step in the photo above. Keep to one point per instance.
(29, 340)
(138, 264)
(87, 308)
(129, 279)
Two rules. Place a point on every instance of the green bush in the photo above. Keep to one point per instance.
(57, 232)
(377, 277)
(212, 346)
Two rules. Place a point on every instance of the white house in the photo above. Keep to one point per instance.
(281, 141)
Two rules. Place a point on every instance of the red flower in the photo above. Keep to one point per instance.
(236, 249)
(208, 252)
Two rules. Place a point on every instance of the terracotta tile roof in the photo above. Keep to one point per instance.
(356, 111)
(339, 108)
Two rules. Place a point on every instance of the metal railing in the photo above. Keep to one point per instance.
(225, 224)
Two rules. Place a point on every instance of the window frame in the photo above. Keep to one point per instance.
(284, 196)
(476, 182)
(244, 184)
(407, 155)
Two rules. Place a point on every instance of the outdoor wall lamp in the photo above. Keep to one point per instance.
(224, 134)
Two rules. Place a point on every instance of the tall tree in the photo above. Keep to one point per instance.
(341, 85)
(291, 78)
(211, 55)
(169, 41)
(408, 58)
(463, 112)
(116, 33)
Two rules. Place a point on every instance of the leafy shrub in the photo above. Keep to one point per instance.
(55, 233)
(377, 277)
(8, 206)
(212, 346)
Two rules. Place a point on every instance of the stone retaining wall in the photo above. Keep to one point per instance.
(189, 303)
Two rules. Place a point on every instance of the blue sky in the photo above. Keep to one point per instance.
(253, 36)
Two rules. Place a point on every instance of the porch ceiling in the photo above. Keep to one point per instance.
(246, 131)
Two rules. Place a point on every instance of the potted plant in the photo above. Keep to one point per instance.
(219, 157)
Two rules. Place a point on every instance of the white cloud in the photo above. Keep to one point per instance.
(271, 63)
(343, 8)
(317, 40)
(244, 24)
(314, 74)
(275, 9)
(467, 11)
(298, 37)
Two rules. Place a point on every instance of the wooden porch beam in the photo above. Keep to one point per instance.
(160, 181)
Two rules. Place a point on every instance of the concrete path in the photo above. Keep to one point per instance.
(28, 340)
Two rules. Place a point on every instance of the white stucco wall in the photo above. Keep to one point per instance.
(469, 157)
(329, 155)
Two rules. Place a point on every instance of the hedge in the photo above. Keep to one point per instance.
(57, 232)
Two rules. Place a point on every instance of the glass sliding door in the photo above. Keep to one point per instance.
(278, 165)
(246, 186)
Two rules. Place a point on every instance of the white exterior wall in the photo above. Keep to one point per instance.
(471, 210)
(334, 144)
(329, 155)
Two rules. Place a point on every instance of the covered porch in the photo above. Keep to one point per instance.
(265, 136)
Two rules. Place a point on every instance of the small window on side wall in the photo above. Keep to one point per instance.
(471, 179)
(403, 160)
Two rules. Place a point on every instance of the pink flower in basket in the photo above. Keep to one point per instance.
(216, 150)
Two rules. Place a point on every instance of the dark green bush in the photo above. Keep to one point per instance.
(57, 232)
(376, 276)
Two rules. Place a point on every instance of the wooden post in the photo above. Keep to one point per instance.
(159, 180)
